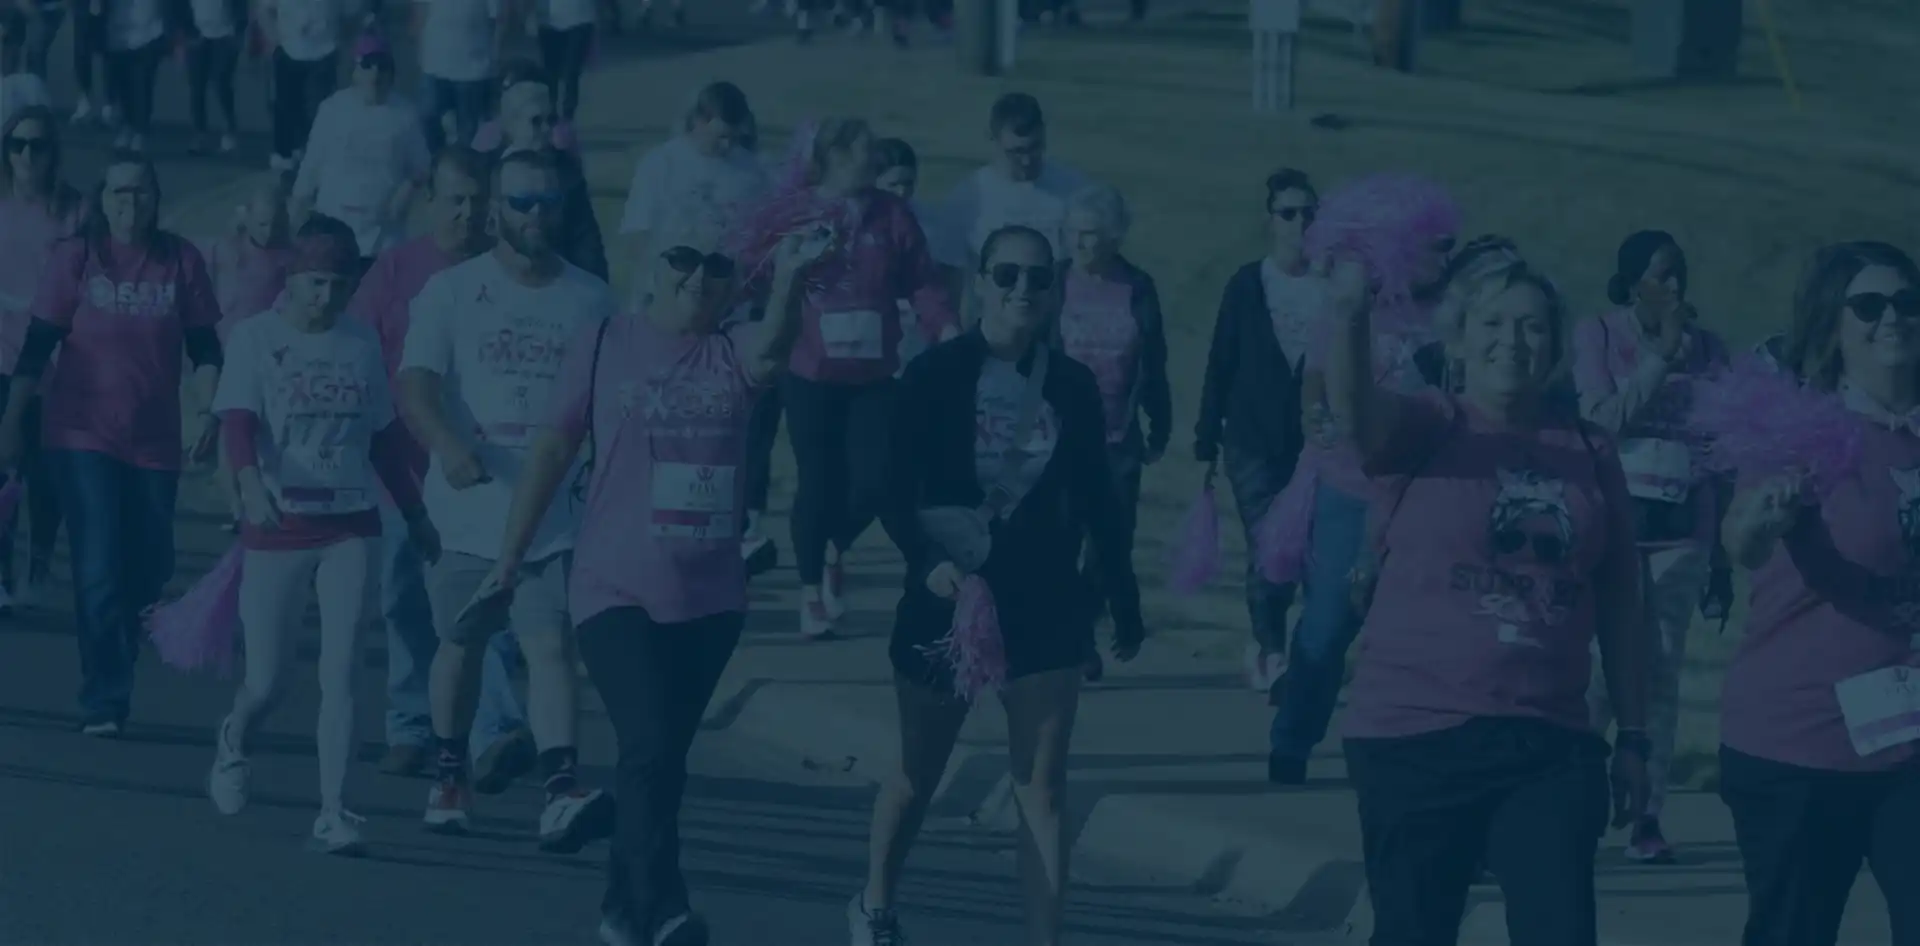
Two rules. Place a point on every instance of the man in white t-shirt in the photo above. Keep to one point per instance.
(460, 43)
(368, 157)
(18, 87)
(702, 178)
(482, 357)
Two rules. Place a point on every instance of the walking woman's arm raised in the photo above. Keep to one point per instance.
(1388, 435)
(771, 347)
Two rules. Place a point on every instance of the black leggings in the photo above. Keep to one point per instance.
(42, 502)
(1803, 834)
(841, 436)
(763, 428)
(298, 89)
(130, 77)
(89, 46)
(210, 69)
(565, 55)
(655, 681)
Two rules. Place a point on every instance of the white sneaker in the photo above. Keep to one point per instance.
(227, 783)
(83, 111)
(833, 589)
(872, 927)
(617, 932)
(446, 808)
(687, 929)
(109, 116)
(228, 143)
(816, 621)
(280, 163)
(573, 820)
(338, 832)
(137, 143)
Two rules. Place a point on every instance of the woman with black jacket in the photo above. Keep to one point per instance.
(1251, 399)
(999, 477)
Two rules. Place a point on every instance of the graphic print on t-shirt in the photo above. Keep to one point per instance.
(689, 416)
(139, 299)
(1529, 530)
(1098, 329)
(519, 364)
(996, 412)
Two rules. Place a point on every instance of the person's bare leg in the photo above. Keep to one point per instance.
(552, 689)
(1040, 714)
(930, 724)
(453, 687)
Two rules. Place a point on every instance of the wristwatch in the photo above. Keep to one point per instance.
(1634, 741)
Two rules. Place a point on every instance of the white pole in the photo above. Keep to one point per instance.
(1009, 34)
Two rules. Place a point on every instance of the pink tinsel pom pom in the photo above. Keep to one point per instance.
(973, 647)
(1760, 421)
(790, 204)
(1196, 560)
(1285, 533)
(198, 630)
(1389, 223)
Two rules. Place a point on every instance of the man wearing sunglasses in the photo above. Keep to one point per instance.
(482, 357)
(368, 155)
(527, 120)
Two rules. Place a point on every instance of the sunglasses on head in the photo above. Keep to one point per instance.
(1871, 307)
(686, 261)
(1008, 275)
(1303, 214)
(528, 203)
(1547, 548)
(24, 145)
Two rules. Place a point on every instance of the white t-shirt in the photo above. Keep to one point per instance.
(22, 90)
(357, 157)
(566, 14)
(1295, 304)
(675, 183)
(321, 397)
(497, 346)
(213, 19)
(456, 40)
(987, 200)
(309, 29)
(132, 24)
(996, 410)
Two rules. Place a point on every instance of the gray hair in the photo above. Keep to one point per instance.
(1104, 204)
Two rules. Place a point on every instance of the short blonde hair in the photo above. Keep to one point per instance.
(1104, 203)
(1486, 279)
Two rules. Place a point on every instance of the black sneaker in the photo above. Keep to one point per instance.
(1286, 770)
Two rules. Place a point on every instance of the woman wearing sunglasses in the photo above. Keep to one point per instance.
(368, 157)
(37, 209)
(839, 394)
(1000, 478)
(1819, 710)
(1509, 549)
(660, 399)
(1635, 367)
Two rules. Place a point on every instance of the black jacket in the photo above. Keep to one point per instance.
(1034, 569)
(1151, 394)
(1252, 388)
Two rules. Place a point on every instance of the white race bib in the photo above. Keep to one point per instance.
(1660, 470)
(693, 501)
(1882, 708)
(321, 480)
(853, 336)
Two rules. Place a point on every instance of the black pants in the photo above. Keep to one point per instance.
(42, 30)
(210, 69)
(89, 46)
(841, 435)
(1530, 797)
(763, 428)
(1255, 480)
(564, 53)
(130, 77)
(1124, 463)
(298, 89)
(42, 502)
(1803, 835)
(655, 681)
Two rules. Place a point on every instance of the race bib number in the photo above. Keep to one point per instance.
(853, 336)
(693, 502)
(1882, 708)
(321, 480)
(1659, 470)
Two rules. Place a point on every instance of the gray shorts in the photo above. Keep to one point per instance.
(538, 605)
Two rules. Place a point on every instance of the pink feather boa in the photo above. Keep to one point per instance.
(198, 630)
(1760, 421)
(973, 647)
(1196, 559)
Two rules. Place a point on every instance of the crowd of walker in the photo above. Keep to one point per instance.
(536, 474)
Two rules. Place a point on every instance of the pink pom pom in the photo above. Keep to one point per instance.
(973, 647)
(1196, 560)
(1759, 421)
(790, 204)
(10, 498)
(198, 629)
(1389, 223)
(1285, 533)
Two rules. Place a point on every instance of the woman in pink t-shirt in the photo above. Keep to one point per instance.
(121, 301)
(310, 432)
(1508, 549)
(37, 209)
(1821, 706)
(660, 399)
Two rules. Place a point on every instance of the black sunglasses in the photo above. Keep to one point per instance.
(1303, 214)
(686, 261)
(1547, 548)
(1007, 276)
(528, 203)
(24, 145)
(1871, 307)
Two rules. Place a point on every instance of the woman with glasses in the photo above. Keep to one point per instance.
(1509, 549)
(658, 588)
(38, 208)
(1000, 479)
(1249, 402)
(840, 391)
(121, 301)
(1819, 726)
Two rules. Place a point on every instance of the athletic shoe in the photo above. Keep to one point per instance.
(83, 111)
(338, 832)
(508, 758)
(815, 622)
(572, 821)
(103, 728)
(872, 927)
(280, 162)
(1648, 845)
(618, 931)
(110, 116)
(760, 554)
(447, 808)
(123, 140)
(687, 929)
(833, 590)
(1264, 668)
(228, 143)
(227, 783)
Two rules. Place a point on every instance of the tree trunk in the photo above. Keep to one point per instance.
(976, 32)
(1687, 39)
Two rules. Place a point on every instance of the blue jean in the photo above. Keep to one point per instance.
(411, 643)
(120, 542)
(1317, 660)
(466, 100)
